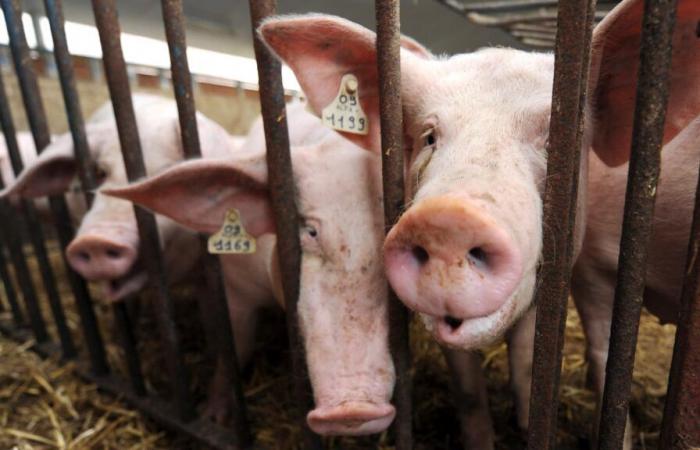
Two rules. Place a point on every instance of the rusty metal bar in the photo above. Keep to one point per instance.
(64, 64)
(40, 131)
(391, 118)
(570, 69)
(8, 284)
(214, 306)
(14, 224)
(284, 205)
(107, 23)
(647, 135)
(680, 428)
(127, 341)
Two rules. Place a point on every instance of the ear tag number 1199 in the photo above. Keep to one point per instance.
(345, 113)
(232, 237)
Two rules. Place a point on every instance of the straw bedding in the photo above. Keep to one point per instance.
(43, 404)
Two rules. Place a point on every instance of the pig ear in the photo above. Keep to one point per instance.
(414, 47)
(321, 49)
(50, 174)
(615, 62)
(198, 193)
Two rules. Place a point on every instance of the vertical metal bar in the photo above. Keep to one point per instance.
(128, 344)
(647, 135)
(11, 228)
(391, 115)
(64, 64)
(284, 205)
(559, 211)
(117, 79)
(40, 131)
(7, 283)
(214, 305)
(681, 423)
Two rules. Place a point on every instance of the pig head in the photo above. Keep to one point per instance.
(106, 246)
(465, 252)
(342, 306)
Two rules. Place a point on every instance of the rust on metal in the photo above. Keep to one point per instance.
(647, 135)
(680, 429)
(118, 82)
(37, 122)
(391, 118)
(64, 64)
(284, 205)
(559, 210)
(214, 306)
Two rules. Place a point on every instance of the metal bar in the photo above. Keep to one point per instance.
(86, 174)
(284, 205)
(680, 428)
(8, 284)
(107, 23)
(510, 19)
(647, 135)
(40, 131)
(391, 115)
(570, 67)
(214, 305)
(11, 228)
(127, 341)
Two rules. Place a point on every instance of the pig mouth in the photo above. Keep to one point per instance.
(119, 288)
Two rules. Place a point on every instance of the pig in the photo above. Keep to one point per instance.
(106, 246)
(465, 252)
(595, 271)
(342, 304)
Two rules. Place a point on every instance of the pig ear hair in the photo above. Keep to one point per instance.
(613, 81)
(50, 174)
(414, 47)
(198, 193)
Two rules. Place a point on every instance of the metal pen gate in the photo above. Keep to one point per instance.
(681, 424)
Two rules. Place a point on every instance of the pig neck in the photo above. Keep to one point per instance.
(248, 278)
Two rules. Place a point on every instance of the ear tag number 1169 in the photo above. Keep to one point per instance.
(232, 237)
(345, 113)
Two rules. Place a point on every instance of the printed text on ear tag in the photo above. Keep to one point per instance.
(232, 237)
(345, 113)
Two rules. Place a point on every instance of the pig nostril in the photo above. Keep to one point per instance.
(453, 322)
(113, 253)
(84, 256)
(420, 254)
(477, 255)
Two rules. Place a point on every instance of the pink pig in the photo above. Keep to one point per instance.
(106, 246)
(342, 303)
(465, 252)
(596, 268)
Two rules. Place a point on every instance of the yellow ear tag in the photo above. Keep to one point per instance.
(232, 237)
(345, 113)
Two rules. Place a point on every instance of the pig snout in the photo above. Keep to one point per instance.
(351, 418)
(449, 259)
(100, 256)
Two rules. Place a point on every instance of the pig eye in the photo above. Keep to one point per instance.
(100, 175)
(311, 231)
(429, 139)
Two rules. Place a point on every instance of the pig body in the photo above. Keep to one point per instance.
(106, 246)
(595, 271)
(465, 253)
(342, 305)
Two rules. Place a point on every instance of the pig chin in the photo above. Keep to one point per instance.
(118, 289)
(479, 332)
